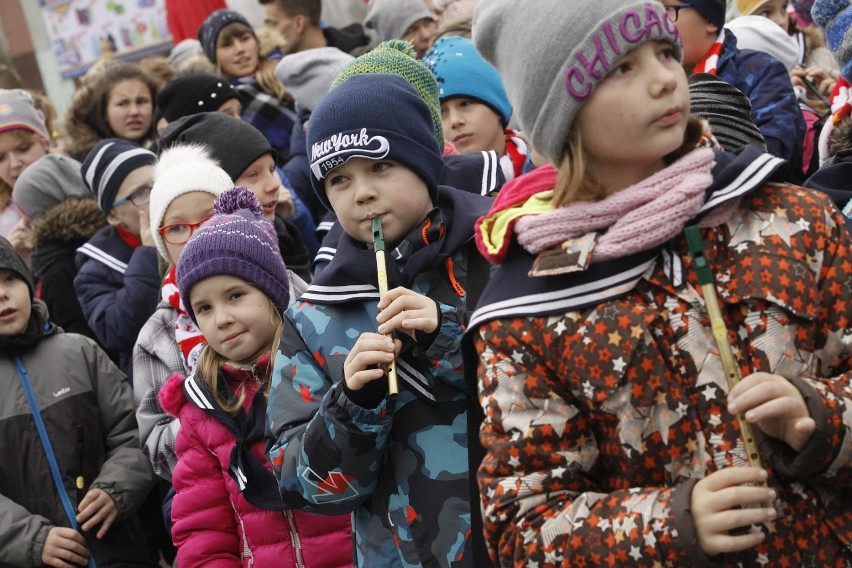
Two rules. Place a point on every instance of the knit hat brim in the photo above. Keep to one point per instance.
(375, 117)
(573, 51)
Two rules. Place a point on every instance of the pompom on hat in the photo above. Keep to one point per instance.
(18, 112)
(237, 241)
(378, 117)
(182, 169)
(573, 51)
(462, 72)
(398, 57)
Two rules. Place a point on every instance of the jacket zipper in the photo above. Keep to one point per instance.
(294, 536)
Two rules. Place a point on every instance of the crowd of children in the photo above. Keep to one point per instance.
(436, 283)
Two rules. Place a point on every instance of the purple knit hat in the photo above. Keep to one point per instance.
(236, 241)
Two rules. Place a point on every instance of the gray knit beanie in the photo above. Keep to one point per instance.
(49, 181)
(391, 18)
(308, 74)
(550, 78)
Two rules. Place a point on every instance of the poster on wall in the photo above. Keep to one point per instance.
(81, 31)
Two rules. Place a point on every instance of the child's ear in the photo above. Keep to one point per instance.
(112, 219)
(712, 29)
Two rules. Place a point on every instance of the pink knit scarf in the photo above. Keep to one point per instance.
(634, 219)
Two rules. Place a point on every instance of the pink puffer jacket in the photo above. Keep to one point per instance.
(214, 526)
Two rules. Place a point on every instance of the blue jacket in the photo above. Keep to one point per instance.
(774, 106)
(118, 287)
(401, 466)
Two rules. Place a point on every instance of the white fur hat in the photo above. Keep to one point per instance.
(183, 169)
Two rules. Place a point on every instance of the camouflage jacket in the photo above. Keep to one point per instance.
(601, 416)
(400, 466)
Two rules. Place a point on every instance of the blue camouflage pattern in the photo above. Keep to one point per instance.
(774, 107)
(407, 485)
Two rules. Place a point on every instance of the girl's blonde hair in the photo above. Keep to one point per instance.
(265, 73)
(577, 181)
(209, 363)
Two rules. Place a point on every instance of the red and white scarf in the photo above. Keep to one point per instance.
(187, 335)
(512, 162)
(710, 63)
(841, 107)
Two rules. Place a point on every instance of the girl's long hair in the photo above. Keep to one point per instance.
(209, 363)
(577, 180)
(265, 72)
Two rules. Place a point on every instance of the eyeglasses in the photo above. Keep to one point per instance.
(139, 197)
(674, 11)
(179, 233)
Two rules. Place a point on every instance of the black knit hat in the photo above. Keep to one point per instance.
(191, 94)
(712, 10)
(11, 260)
(210, 29)
(727, 109)
(233, 143)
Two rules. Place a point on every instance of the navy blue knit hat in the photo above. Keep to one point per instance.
(108, 163)
(236, 241)
(379, 117)
(462, 72)
(712, 10)
(210, 29)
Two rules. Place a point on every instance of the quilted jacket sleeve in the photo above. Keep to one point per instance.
(204, 528)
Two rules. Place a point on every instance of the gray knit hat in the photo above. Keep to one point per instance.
(49, 181)
(550, 78)
(391, 18)
(308, 74)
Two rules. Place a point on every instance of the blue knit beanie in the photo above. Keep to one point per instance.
(210, 29)
(835, 17)
(236, 241)
(109, 163)
(379, 117)
(462, 72)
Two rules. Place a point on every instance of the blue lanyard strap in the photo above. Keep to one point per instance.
(48, 449)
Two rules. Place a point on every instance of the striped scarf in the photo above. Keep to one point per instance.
(710, 62)
(187, 335)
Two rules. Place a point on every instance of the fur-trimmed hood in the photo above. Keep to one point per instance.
(72, 220)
